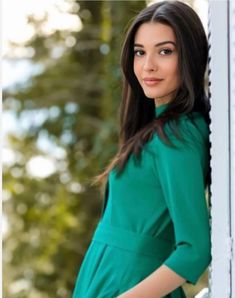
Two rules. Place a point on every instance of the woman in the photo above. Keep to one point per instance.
(154, 233)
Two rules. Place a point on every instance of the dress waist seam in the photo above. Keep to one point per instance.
(134, 242)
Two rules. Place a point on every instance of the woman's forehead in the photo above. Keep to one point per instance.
(154, 32)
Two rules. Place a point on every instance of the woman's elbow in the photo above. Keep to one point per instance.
(203, 255)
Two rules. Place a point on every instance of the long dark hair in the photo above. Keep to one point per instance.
(137, 117)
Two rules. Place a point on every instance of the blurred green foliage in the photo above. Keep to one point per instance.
(74, 102)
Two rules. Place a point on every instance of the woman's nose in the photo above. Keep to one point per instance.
(150, 63)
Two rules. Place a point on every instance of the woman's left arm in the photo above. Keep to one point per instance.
(158, 284)
(182, 176)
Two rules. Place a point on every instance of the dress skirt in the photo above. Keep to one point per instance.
(117, 260)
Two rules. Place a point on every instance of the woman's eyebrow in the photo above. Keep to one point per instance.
(156, 45)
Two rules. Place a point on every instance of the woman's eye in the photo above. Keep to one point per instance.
(166, 51)
(138, 52)
(163, 52)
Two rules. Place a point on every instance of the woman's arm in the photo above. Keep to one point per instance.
(158, 284)
(181, 174)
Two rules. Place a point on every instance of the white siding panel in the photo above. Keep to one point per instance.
(232, 135)
(220, 269)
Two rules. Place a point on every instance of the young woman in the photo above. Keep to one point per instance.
(154, 232)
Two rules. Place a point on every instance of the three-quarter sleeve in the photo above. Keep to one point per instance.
(182, 174)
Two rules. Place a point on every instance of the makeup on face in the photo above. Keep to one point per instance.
(156, 60)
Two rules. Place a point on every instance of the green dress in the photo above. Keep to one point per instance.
(154, 213)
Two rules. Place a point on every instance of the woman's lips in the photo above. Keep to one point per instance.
(151, 82)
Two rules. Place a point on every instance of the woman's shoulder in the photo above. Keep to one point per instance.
(193, 129)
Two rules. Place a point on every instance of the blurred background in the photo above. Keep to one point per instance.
(61, 93)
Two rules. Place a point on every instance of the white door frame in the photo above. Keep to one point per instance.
(222, 97)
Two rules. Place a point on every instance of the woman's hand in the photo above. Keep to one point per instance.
(158, 284)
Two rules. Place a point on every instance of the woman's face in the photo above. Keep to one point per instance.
(156, 61)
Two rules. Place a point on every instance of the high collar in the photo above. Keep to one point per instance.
(160, 109)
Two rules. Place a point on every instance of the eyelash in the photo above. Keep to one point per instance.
(169, 52)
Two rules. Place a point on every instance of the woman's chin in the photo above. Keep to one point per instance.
(151, 95)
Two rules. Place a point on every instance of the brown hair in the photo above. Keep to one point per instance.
(137, 117)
